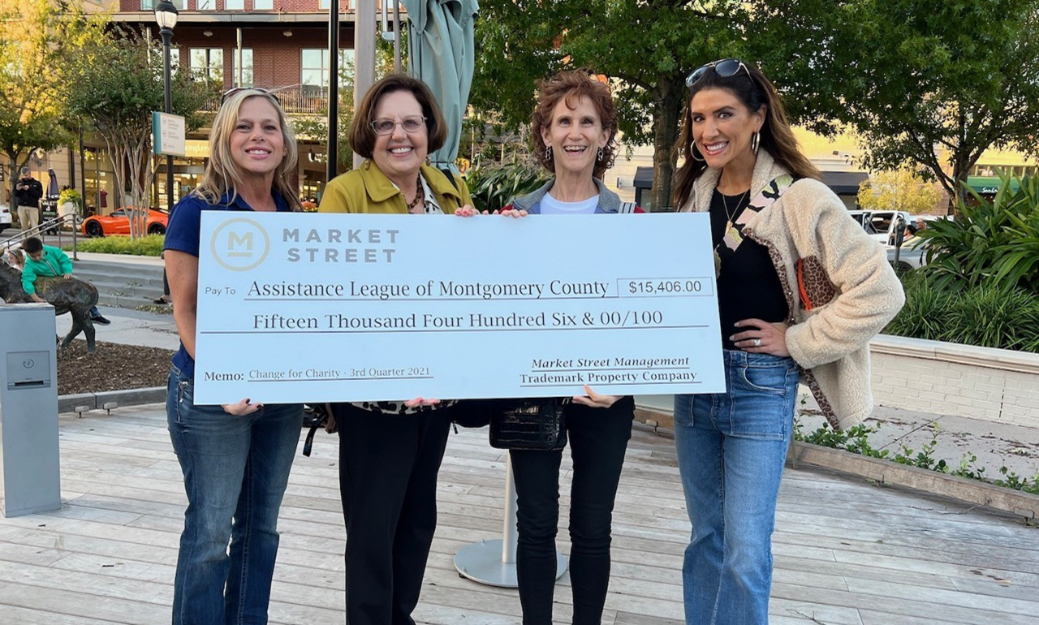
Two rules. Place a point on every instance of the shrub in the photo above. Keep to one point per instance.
(150, 245)
(985, 315)
(494, 187)
(995, 243)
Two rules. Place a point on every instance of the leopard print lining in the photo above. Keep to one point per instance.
(784, 280)
(816, 288)
(398, 407)
(824, 404)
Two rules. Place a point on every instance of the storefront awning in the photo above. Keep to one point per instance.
(844, 182)
(643, 178)
(989, 185)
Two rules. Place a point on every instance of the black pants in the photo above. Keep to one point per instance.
(598, 439)
(388, 468)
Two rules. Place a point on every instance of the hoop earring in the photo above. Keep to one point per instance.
(694, 154)
(598, 155)
(548, 152)
(755, 142)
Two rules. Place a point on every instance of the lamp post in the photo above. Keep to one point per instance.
(166, 18)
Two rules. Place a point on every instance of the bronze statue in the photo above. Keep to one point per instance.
(73, 296)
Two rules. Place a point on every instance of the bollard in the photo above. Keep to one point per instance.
(29, 465)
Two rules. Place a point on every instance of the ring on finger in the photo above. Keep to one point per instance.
(757, 342)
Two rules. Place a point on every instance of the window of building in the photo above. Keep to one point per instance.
(247, 67)
(234, 5)
(315, 63)
(205, 5)
(207, 63)
(263, 5)
(149, 5)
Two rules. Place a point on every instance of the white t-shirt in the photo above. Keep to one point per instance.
(552, 206)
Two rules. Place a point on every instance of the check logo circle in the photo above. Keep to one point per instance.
(240, 244)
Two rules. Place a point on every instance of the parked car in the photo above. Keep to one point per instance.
(912, 255)
(5, 217)
(881, 225)
(118, 222)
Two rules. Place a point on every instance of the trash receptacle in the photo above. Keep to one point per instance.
(29, 465)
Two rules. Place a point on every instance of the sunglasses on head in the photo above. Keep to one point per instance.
(725, 68)
(260, 90)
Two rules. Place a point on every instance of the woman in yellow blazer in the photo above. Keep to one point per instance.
(390, 452)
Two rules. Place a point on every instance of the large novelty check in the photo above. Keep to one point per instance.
(332, 307)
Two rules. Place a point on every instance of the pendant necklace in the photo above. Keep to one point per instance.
(729, 228)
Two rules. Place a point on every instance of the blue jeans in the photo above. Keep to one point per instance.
(235, 473)
(731, 451)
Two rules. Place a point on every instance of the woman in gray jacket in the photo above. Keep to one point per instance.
(801, 291)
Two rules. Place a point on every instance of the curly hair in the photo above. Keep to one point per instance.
(572, 85)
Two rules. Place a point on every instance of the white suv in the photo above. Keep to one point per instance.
(880, 225)
(5, 217)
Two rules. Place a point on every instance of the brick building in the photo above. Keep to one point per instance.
(276, 44)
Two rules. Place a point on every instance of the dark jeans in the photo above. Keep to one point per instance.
(235, 473)
(388, 468)
(598, 439)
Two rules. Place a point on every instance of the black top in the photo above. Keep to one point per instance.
(748, 285)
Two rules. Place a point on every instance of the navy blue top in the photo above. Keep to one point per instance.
(182, 235)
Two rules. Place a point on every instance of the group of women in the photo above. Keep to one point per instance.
(801, 290)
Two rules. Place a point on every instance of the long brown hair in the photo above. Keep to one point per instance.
(754, 90)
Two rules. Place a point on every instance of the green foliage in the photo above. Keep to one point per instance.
(70, 195)
(935, 83)
(494, 187)
(114, 85)
(34, 40)
(994, 243)
(150, 245)
(900, 189)
(645, 47)
(983, 315)
(856, 440)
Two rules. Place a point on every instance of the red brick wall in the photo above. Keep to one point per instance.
(276, 58)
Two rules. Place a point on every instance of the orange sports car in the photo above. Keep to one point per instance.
(118, 222)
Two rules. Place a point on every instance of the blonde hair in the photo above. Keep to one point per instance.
(221, 175)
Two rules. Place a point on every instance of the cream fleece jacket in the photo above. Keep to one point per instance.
(853, 290)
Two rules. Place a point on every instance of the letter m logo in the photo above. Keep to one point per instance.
(239, 245)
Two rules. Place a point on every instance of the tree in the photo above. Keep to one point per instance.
(32, 45)
(115, 86)
(932, 83)
(900, 189)
(646, 48)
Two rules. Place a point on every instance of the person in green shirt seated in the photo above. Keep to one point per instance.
(47, 261)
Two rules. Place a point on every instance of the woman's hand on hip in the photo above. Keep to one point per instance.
(242, 408)
(595, 400)
(761, 337)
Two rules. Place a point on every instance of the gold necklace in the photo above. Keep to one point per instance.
(729, 216)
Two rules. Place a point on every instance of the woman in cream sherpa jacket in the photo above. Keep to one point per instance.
(802, 289)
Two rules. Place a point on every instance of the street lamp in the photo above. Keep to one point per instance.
(166, 18)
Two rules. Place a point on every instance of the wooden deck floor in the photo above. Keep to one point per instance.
(846, 552)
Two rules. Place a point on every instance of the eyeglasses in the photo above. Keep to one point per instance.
(410, 124)
(725, 68)
(230, 92)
